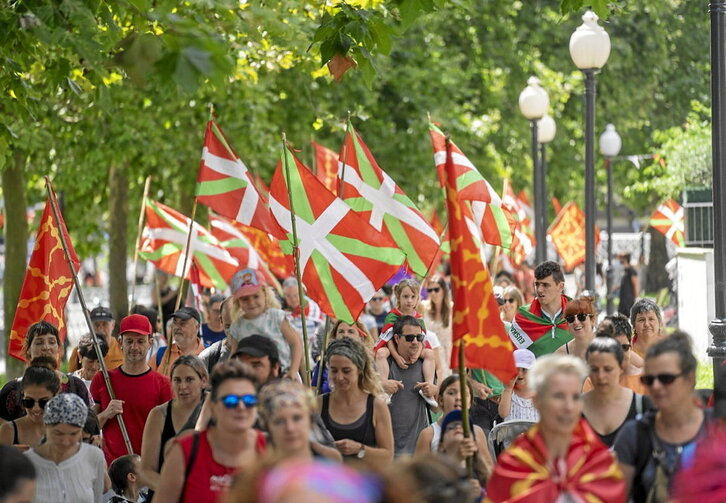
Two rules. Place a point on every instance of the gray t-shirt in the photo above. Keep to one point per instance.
(409, 412)
(214, 354)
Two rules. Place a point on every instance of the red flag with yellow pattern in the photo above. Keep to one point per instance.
(568, 235)
(326, 166)
(476, 322)
(48, 282)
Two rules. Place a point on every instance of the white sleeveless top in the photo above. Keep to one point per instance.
(522, 408)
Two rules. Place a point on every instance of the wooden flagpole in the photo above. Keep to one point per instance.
(142, 213)
(296, 256)
(86, 314)
(180, 292)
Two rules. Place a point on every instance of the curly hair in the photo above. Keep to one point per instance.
(368, 379)
(231, 369)
(549, 268)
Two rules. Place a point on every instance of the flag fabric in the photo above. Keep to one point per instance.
(531, 330)
(231, 236)
(326, 166)
(48, 282)
(343, 259)
(476, 322)
(496, 222)
(668, 219)
(196, 284)
(225, 184)
(164, 244)
(568, 235)
(374, 195)
(523, 241)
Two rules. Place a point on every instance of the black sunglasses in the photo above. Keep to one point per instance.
(580, 317)
(665, 379)
(410, 338)
(29, 403)
(233, 401)
(511, 301)
(435, 289)
(626, 347)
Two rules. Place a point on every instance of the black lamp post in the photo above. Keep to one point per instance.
(610, 144)
(589, 49)
(533, 103)
(717, 327)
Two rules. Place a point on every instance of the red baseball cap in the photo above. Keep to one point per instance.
(136, 323)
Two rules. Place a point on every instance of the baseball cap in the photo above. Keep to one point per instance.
(451, 417)
(101, 313)
(247, 282)
(524, 358)
(258, 346)
(136, 323)
(187, 312)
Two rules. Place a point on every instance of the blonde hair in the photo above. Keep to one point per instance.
(270, 302)
(411, 283)
(366, 337)
(547, 366)
(277, 394)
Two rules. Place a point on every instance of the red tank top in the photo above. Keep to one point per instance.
(208, 480)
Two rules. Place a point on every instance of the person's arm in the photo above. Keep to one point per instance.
(330, 453)
(505, 402)
(205, 415)
(481, 443)
(423, 443)
(115, 407)
(396, 356)
(151, 446)
(383, 453)
(6, 434)
(171, 480)
(296, 350)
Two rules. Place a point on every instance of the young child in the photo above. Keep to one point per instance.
(124, 479)
(407, 298)
(516, 401)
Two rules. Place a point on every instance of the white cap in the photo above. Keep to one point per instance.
(524, 358)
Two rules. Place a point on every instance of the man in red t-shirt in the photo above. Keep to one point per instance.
(138, 389)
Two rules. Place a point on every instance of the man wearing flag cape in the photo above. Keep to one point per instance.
(540, 326)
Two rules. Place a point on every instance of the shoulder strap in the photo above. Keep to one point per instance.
(160, 355)
(638, 405)
(190, 463)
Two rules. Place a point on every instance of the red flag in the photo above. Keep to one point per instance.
(476, 321)
(48, 282)
(668, 220)
(524, 239)
(225, 184)
(326, 166)
(556, 204)
(568, 235)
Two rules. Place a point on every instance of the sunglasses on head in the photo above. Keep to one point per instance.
(410, 338)
(626, 347)
(435, 289)
(29, 403)
(665, 379)
(233, 401)
(581, 317)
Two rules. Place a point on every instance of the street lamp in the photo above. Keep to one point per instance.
(533, 103)
(546, 129)
(610, 144)
(589, 49)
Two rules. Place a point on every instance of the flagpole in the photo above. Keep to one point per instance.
(321, 367)
(147, 184)
(341, 180)
(186, 258)
(296, 256)
(84, 307)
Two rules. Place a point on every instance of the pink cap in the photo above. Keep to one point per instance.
(247, 282)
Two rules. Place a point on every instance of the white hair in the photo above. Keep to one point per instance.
(547, 366)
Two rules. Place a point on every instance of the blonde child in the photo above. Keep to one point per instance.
(407, 299)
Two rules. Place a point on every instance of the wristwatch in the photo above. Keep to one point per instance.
(362, 452)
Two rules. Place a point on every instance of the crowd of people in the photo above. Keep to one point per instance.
(216, 406)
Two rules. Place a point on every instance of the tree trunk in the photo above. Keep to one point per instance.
(118, 209)
(657, 275)
(16, 248)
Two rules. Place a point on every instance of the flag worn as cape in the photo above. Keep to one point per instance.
(668, 219)
(475, 321)
(531, 330)
(164, 244)
(495, 221)
(374, 195)
(588, 473)
(225, 184)
(48, 282)
(343, 259)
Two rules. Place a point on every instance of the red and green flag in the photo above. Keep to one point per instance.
(164, 244)
(496, 222)
(532, 330)
(377, 198)
(523, 241)
(476, 322)
(343, 259)
(668, 220)
(225, 184)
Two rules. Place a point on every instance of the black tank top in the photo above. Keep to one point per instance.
(361, 430)
(167, 433)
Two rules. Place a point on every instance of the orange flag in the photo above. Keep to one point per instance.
(476, 322)
(326, 167)
(48, 282)
(568, 235)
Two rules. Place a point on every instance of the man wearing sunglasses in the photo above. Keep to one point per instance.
(409, 413)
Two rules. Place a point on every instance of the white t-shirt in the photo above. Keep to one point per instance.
(78, 479)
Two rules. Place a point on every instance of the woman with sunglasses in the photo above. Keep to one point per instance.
(652, 448)
(353, 411)
(609, 405)
(580, 317)
(188, 380)
(437, 311)
(513, 300)
(200, 467)
(38, 386)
